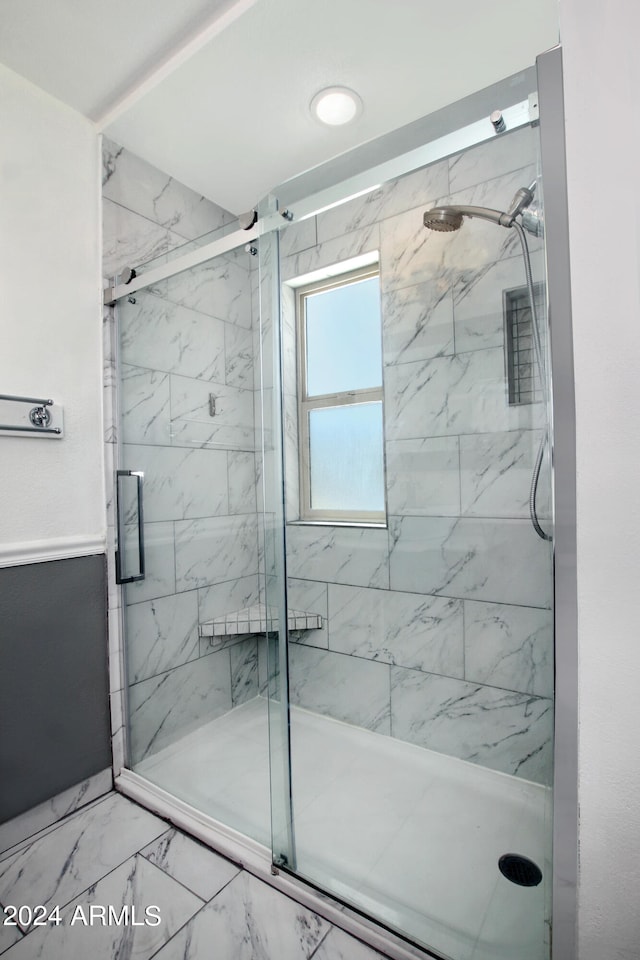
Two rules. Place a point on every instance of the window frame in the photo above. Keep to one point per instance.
(341, 399)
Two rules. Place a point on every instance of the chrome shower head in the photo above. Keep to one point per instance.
(447, 219)
(443, 219)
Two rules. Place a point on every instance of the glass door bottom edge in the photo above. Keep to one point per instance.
(256, 859)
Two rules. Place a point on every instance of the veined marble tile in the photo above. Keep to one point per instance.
(338, 945)
(110, 466)
(158, 334)
(190, 863)
(61, 864)
(118, 729)
(8, 935)
(242, 481)
(345, 688)
(239, 359)
(478, 244)
(136, 883)
(267, 424)
(116, 658)
(291, 462)
(160, 574)
(129, 239)
(109, 336)
(180, 483)
(500, 560)
(511, 647)
(289, 338)
(298, 236)
(329, 253)
(232, 426)
(466, 393)
(244, 671)
(312, 597)
(495, 474)
(214, 550)
(269, 552)
(351, 555)
(165, 707)
(423, 187)
(478, 301)
(248, 920)
(423, 477)
(16, 830)
(221, 598)
(145, 406)
(412, 254)
(417, 322)
(266, 672)
(488, 160)
(219, 288)
(425, 633)
(114, 596)
(505, 731)
(161, 634)
(109, 374)
(135, 184)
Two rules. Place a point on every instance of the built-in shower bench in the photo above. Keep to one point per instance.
(258, 618)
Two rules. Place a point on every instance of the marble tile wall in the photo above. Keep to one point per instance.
(180, 341)
(438, 628)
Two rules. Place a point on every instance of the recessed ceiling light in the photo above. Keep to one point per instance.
(336, 105)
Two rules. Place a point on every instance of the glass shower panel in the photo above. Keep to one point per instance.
(422, 694)
(274, 677)
(193, 626)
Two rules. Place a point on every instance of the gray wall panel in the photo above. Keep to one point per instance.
(54, 701)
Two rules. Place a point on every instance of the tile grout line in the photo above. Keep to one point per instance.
(46, 831)
(317, 947)
(76, 896)
(194, 915)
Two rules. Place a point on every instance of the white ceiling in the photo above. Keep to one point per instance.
(232, 119)
(90, 53)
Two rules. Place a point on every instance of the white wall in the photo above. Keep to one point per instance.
(602, 87)
(50, 320)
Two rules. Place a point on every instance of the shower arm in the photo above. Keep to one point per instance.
(485, 213)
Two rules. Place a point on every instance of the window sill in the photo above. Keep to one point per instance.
(376, 525)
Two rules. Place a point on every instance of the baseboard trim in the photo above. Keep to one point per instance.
(42, 551)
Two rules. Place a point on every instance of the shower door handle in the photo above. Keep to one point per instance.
(123, 551)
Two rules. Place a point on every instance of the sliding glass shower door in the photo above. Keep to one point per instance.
(334, 443)
(420, 640)
(195, 623)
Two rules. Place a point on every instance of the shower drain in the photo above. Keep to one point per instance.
(520, 870)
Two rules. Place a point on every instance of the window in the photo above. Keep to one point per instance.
(522, 368)
(340, 399)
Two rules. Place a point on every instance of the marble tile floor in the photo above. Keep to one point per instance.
(410, 836)
(114, 854)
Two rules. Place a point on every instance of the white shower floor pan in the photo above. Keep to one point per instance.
(409, 836)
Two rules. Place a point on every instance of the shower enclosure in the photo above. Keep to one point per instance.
(337, 613)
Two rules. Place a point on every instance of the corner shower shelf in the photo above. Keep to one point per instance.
(257, 619)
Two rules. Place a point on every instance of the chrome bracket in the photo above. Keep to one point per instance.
(40, 416)
(534, 108)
